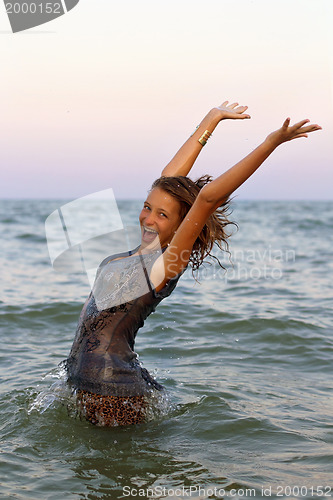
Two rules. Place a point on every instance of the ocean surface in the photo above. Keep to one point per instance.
(245, 354)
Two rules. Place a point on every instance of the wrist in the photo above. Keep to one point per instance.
(272, 142)
(212, 119)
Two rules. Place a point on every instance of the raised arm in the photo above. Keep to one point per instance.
(218, 191)
(184, 159)
(212, 195)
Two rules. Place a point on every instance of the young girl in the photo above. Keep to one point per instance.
(180, 221)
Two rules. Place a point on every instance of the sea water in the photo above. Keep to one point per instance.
(244, 353)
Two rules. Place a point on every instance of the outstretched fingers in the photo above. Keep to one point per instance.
(300, 129)
(233, 106)
(311, 128)
(241, 109)
(299, 125)
(286, 123)
(298, 136)
(232, 111)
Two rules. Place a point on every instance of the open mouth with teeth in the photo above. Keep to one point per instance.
(148, 235)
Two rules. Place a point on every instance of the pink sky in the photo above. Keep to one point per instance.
(101, 98)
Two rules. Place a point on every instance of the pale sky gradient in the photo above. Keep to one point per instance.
(103, 96)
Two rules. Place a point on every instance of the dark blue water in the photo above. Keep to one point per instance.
(246, 356)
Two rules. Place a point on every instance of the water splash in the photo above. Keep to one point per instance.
(158, 404)
(57, 392)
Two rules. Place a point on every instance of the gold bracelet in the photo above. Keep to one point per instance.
(204, 138)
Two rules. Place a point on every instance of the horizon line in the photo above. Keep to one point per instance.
(141, 199)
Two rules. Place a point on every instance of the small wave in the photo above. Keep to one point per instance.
(315, 224)
(32, 237)
(270, 325)
(59, 312)
(8, 220)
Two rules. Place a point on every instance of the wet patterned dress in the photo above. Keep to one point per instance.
(111, 386)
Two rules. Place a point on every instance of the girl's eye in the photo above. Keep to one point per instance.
(162, 214)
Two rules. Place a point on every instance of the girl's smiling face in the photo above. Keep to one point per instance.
(159, 217)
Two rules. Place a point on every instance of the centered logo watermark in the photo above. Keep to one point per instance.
(87, 236)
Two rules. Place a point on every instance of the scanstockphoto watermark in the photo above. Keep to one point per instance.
(266, 263)
(198, 491)
(26, 14)
(194, 491)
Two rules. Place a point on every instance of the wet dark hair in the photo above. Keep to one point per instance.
(185, 191)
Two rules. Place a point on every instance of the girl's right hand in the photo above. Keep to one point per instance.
(230, 111)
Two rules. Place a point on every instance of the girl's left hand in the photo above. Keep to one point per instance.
(231, 111)
(288, 133)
